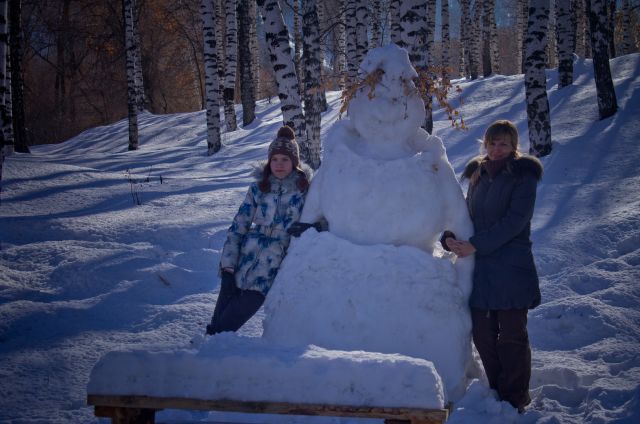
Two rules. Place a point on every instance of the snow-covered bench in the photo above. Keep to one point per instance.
(247, 375)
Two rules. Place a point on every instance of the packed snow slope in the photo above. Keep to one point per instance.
(84, 270)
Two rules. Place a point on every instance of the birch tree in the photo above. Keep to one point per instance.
(297, 44)
(4, 46)
(312, 91)
(626, 26)
(17, 90)
(362, 41)
(280, 54)
(130, 48)
(607, 102)
(231, 64)
(212, 85)
(7, 112)
(255, 50)
(446, 42)
(351, 53)
(339, 48)
(245, 61)
(565, 36)
(535, 81)
(491, 64)
(521, 30)
(551, 41)
(583, 40)
(376, 30)
(394, 21)
(611, 27)
(137, 60)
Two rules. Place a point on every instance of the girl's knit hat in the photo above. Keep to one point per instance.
(285, 144)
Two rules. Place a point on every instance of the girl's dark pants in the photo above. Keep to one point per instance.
(503, 344)
(234, 306)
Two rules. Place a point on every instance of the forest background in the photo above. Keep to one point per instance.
(74, 53)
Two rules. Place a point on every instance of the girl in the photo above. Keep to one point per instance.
(501, 199)
(257, 239)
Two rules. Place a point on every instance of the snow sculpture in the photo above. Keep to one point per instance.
(372, 282)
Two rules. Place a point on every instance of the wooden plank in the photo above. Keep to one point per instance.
(413, 415)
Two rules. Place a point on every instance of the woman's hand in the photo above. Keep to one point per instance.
(461, 248)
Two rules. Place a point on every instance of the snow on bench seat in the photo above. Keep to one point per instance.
(233, 373)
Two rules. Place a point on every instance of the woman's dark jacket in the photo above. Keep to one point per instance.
(501, 208)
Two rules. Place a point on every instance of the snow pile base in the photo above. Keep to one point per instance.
(249, 369)
(380, 298)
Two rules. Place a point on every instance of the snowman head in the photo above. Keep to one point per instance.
(392, 111)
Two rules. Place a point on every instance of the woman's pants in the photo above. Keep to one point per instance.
(503, 344)
(234, 307)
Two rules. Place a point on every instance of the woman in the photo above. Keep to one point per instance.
(501, 199)
(257, 239)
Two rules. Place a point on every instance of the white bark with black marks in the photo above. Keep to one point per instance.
(394, 21)
(413, 31)
(139, 79)
(297, 43)
(212, 84)
(340, 48)
(313, 85)
(551, 41)
(465, 37)
(230, 64)
(493, 36)
(4, 47)
(362, 24)
(583, 38)
(245, 61)
(607, 101)
(564, 34)
(535, 81)
(446, 41)
(376, 27)
(281, 58)
(132, 94)
(350, 41)
(521, 30)
(626, 25)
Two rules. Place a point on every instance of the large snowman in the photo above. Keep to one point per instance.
(377, 280)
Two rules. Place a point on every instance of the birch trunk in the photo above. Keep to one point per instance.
(322, 27)
(17, 97)
(430, 20)
(466, 34)
(231, 64)
(7, 113)
(486, 40)
(535, 79)
(4, 89)
(280, 54)
(130, 48)
(446, 42)
(607, 102)
(551, 42)
(564, 34)
(138, 78)
(493, 37)
(212, 85)
(394, 21)
(255, 51)
(297, 44)
(583, 40)
(611, 27)
(245, 60)
(362, 40)
(350, 36)
(626, 25)
(376, 30)
(524, 5)
(313, 86)
(339, 47)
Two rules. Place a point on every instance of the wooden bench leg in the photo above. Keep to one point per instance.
(127, 415)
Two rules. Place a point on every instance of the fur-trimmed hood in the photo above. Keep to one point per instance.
(519, 166)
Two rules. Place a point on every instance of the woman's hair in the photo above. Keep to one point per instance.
(500, 128)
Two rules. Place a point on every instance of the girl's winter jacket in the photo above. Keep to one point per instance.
(257, 239)
(501, 208)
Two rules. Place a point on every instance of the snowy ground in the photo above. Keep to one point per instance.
(84, 271)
